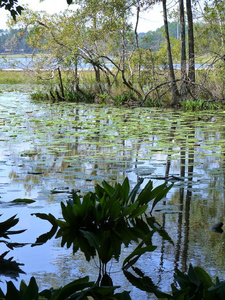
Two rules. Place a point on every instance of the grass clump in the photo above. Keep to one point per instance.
(200, 104)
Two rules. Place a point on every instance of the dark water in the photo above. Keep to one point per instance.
(45, 146)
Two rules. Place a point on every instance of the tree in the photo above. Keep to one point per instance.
(183, 88)
(214, 25)
(174, 89)
(97, 31)
(191, 44)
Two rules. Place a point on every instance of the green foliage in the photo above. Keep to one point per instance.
(14, 77)
(6, 225)
(118, 58)
(211, 32)
(78, 289)
(154, 39)
(200, 104)
(102, 97)
(151, 102)
(79, 97)
(9, 266)
(23, 201)
(93, 224)
(69, 96)
(120, 99)
(197, 284)
(14, 41)
(39, 96)
(141, 281)
(162, 52)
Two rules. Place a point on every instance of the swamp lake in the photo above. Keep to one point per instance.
(46, 146)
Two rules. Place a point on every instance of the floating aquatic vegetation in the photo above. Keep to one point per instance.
(22, 201)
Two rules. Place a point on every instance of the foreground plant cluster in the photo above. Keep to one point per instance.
(99, 224)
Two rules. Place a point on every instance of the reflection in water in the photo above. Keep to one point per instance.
(188, 206)
(168, 162)
(217, 227)
(76, 146)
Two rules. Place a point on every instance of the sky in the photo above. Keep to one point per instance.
(148, 21)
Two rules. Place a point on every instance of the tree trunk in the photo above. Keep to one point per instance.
(137, 45)
(183, 87)
(98, 79)
(76, 77)
(175, 93)
(191, 65)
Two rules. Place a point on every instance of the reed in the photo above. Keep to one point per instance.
(14, 77)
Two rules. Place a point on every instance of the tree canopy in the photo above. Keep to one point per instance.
(100, 34)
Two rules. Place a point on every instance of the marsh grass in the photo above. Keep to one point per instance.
(14, 77)
(200, 104)
(47, 81)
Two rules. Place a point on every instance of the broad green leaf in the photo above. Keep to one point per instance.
(156, 191)
(72, 287)
(129, 209)
(203, 277)
(48, 217)
(12, 292)
(4, 226)
(218, 291)
(31, 291)
(99, 191)
(146, 285)
(137, 253)
(108, 188)
(138, 211)
(182, 279)
(160, 195)
(125, 190)
(45, 237)
(145, 195)
(76, 210)
(115, 210)
(67, 212)
(122, 296)
(134, 191)
(61, 223)
(23, 200)
(91, 237)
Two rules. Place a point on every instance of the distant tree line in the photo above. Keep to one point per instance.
(154, 39)
(14, 41)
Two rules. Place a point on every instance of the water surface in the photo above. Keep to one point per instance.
(44, 146)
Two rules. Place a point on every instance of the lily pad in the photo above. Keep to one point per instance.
(23, 200)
